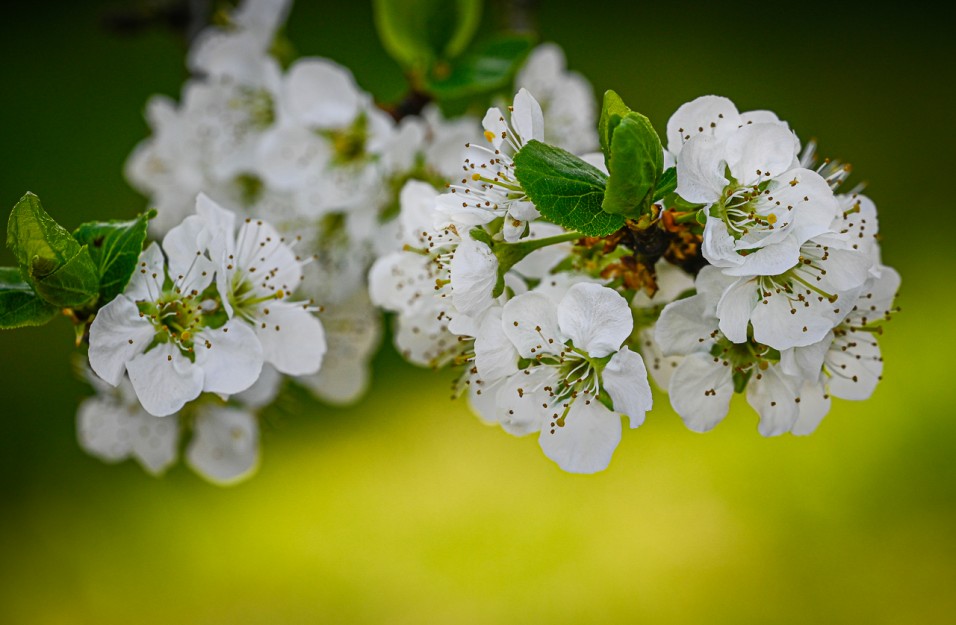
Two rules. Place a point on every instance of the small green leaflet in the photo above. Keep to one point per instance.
(417, 33)
(115, 247)
(59, 269)
(613, 111)
(565, 189)
(491, 65)
(635, 165)
(19, 305)
(666, 185)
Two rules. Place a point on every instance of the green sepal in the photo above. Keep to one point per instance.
(60, 269)
(417, 33)
(635, 164)
(565, 189)
(613, 111)
(490, 66)
(19, 305)
(115, 247)
(740, 380)
(666, 185)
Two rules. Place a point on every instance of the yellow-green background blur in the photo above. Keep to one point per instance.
(404, 508)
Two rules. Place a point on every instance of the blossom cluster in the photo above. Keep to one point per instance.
(760, 277)
(314, 168)
(556, 258)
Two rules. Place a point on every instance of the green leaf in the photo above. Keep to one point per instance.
(635, 166)
(666, 185)
(565, 189)
(613, 111)
(115, 247)
(59, 269)
(416, 33)
(19, 305)
(490, 66)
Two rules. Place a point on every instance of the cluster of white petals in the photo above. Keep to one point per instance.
(751, 272)
(795, 290)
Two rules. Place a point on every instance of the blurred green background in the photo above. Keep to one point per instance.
(404, 508)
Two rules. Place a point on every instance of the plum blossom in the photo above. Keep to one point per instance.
(257, 273)
(578, 377)
(159, 338)
(489, 189)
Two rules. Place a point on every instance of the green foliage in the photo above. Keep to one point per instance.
(60, 270)
(417, 33)
(115, 247)
(613, 111)
(565, 189)
(490, 66)
(635, 163)
(19, 305)
(666, 185)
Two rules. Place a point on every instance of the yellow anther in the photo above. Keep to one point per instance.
(280, 294)
(490, 136)
(771, 219)
(476, 176)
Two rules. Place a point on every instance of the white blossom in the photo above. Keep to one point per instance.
(158, 337)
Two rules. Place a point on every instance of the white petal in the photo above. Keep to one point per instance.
(597, 319)
(782, 323)
(117, 335)
(184, 243)
(684, 327)
(710, 115)
(700, 391)
(625, 380)
(103, 428)
(775, 397)
(293, 339)
(340, 382)
(232, 360)
(474, 272)
(814, 405)
(771, 260)
(265, 260)
(660, 367)
(321, 93)
(814, 206)
(530, 321)
(264, 391)
(225, 446)
(156, 443)
(289, 155)
(586, 441)
(527, 119)
(452, 206)
(757, 152)
(718, 246)
(735, 307)
(494, 123)
(521, 406)
(146, 283)
(221, 224)
(164, 379)
(700, 170)
(423, 339)
(806, 362)
(481, 399)
(417, 200)
(855, 365)
(495, 356)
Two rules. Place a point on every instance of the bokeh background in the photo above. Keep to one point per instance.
(404, 508)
